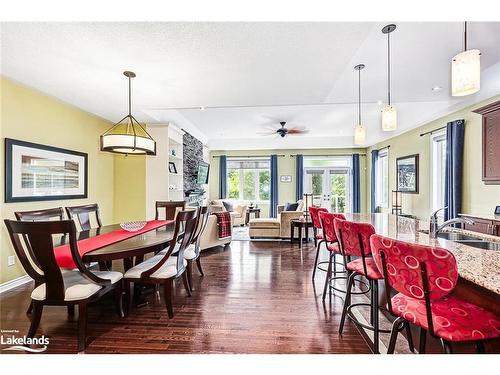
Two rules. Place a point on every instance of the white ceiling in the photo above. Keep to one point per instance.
(256, 69)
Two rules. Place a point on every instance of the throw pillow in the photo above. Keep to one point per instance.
(228, 205)
(291, 206)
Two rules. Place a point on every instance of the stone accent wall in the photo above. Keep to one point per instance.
(192, 154)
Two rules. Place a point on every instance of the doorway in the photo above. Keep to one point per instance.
(330, 186)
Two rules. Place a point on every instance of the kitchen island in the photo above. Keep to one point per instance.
(478, 269)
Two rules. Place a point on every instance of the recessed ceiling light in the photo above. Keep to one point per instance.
(437, 88)
(202, 108)
(379, 102)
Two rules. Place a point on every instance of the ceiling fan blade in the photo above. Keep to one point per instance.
(296, 131)
(267, 132)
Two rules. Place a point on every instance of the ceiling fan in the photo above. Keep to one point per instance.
(283, 131)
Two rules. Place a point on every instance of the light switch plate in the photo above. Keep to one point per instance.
(11, 260)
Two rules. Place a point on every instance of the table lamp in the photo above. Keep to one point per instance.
(308, 198)
(397, 201)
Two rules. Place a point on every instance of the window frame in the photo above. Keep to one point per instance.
(256, 171)
(380, 189)
(435, 169)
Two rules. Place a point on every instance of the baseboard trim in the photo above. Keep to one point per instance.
(14, 283)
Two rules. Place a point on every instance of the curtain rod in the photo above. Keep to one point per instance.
(250, 156)
(383, 148)
(433, 131)
(326, 156)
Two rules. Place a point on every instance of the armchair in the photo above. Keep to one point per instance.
(275, 227)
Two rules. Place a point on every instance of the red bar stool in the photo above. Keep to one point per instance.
(425, 278)
(354, 241)
(327, 219)
(318, 235)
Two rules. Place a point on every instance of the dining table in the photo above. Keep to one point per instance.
(130, 250)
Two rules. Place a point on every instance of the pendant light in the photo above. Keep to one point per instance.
(466, 70)
(389, 114)
(127, 136)
(359, 130)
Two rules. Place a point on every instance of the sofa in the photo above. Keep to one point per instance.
(275, 227)
(238, 214)
(210, 235)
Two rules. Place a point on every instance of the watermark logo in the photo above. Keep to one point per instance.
(23, 343)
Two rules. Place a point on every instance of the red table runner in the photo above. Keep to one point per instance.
(63, 253)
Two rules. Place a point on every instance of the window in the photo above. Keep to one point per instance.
(438, 167)
(248, 180)
(382, 179)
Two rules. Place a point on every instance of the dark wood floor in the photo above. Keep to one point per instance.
(256, 297)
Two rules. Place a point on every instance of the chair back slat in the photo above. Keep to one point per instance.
(83, 215)
(23, 248)
(327, 224)
(202, 218)
(314, 211)
(355, 237)
(40, 235)
(171, 209)
(403, 267)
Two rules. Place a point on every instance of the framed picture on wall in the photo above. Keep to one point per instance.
(171, 167)
(286, 178)
(407, 174)
(35, 172)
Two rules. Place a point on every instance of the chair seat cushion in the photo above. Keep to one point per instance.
(167, 270)
(453, 318)
(76, 286)
(357, 266)
(333, 247)
(264, 223)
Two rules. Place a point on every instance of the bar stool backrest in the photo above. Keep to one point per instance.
(354, 238)
(314, 211)
(415, 270)
(327, 220)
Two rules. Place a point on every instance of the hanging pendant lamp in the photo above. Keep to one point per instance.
(389, 113)
(127, 136)
(466, 70)
(359, 130)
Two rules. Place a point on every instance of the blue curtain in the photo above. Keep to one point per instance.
(356, 194)
(373, 187)
(222, 177)
(299, 176)
(273, 201)
(455, 132)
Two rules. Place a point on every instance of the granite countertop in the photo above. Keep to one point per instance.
(489, 216)
(481, 267)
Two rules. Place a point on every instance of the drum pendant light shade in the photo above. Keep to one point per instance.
(389, 113)
(128, 136)
(466, 71)
(359, 130)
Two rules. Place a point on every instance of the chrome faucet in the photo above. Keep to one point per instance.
(435, 228)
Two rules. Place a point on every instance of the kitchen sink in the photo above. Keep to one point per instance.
(482, 244)
(454, 236)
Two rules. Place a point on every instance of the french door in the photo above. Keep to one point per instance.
(331, 187)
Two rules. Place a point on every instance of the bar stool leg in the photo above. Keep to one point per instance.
(375, 317)
(396, 327)
(347, 301)
(328, 276)
(318, 246)
(480, 347)
(446, 345)
(422, 339)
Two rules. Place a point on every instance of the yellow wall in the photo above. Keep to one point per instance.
(29, 115)
(286, 166)
(478, 198)
(130, 188)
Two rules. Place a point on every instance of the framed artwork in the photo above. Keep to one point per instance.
(286, 178)
(407, 174)
(171, 167)
(35, 172)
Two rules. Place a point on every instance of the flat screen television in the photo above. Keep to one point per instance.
(202, 176)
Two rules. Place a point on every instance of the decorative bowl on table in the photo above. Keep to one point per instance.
(133, 226)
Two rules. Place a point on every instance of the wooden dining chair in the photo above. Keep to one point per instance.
(83, 215)
(56, 287)
(171, 209)
(163, 268)
(37, 215)
(192, 252)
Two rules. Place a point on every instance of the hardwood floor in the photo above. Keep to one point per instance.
(256, 297)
